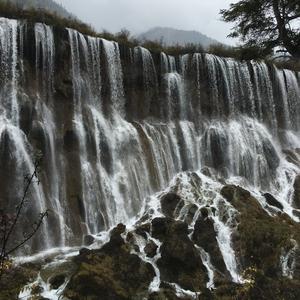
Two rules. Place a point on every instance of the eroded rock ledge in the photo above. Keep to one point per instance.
(127, 267)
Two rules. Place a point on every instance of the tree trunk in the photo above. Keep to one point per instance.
(293, 50)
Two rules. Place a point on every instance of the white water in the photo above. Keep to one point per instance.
(233, 117)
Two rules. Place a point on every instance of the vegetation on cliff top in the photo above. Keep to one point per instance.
(246, 52)
(266, 24)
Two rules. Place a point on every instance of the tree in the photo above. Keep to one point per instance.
(266, 24)
(9, 223)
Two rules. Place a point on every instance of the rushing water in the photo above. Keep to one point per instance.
(116, 125)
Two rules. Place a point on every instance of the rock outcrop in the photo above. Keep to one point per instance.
(111, 272)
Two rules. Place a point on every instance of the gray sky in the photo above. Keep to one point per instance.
(141, 15)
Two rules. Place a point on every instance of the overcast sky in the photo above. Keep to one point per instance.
(141, 15)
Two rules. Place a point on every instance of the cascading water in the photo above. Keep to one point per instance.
(102, 160)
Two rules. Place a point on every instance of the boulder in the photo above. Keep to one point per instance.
(292, 156)
(232, 193)
(57, 281)
(143, 230)
(192, 209)
(169, 203)
(296, 196)
(271, 200)
(180, 261)
(88, 240)
(150, 249)
(259, 238)
(111, 272)
(204, 236)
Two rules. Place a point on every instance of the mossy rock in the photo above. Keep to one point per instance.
(180, 261)
(260, 239)
(110, 273)
(14, 280)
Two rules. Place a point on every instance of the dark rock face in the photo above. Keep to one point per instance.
(180, 261)
(151, 249)
(57, 281)
(296, 196)
(88, 240)
(271, 200)
(219, 148)
(292, 156)
(110, 273)
(169, 203)
(204, 236)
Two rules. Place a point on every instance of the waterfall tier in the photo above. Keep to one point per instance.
(116, 125)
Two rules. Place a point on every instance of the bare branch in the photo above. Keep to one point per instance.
(8, 223)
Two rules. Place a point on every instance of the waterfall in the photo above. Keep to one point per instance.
(9, 64)
(200, 113)
(112, 54)
(45, 54)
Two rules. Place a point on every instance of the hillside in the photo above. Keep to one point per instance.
(48, 5)
(171, 36)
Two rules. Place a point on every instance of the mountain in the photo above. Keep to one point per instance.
(170, 36)
(48, 5)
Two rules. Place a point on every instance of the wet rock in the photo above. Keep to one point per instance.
(292, 156)
(36, 289)
(169, 203)
(259, 238)
(235, 193)
(116, 240)
(143, 230)
(204, 236)
(270, 155)
(207, 172)
(38, 137)
(88, 240)
(204, 212)
(296, 196)
(84, 251)
(193, 208)
(71, 141)
(150, 249)
(271, 200)
(130, 237)
(296, 212)
(160, 227)
(166, 292)
(112, 272)
(218, 156)
(26, 116)
(180, 261)
(15, 279)
(57, 281)
(55, 273)
(119, 229)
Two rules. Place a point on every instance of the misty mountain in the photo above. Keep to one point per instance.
(171, 37)
(49, 5)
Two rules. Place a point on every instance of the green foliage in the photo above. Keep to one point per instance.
(266, 24)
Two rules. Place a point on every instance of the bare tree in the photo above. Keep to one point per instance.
(9, 222)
